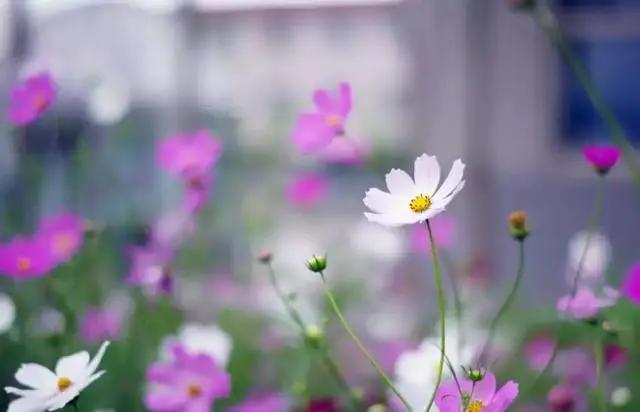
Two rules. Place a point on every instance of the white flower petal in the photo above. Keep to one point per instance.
(73, 366)
(23, 392)
(451, 182)
(400, 183)
(379, 201)
(442, 203)
(384, 219)
(426, 174)
(60, 400)
(91, 368)
(27, 404)
(36, 376)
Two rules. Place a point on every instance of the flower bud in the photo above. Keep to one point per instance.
(317, 264)
(518, 225)
(475, 375)
(313, 335)
(561, 398)
(265, 257)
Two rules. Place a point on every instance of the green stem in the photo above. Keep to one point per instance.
(356, 340)
(548, 22)
(442, 308)
(457, 301)
(328, 360)
(493, 327)
(601, 394)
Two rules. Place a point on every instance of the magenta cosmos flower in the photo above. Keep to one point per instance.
(585, 304)
(269, 402)
(315, 130)
(189, 155)
(98, 324)
(25, 258)
(149, 268)
(30, 98)
(631, 284)
(63, 235)
(307, 190)
(187, 383)
(345, 150)
(602, 157)
(481, 396)
(539, 351)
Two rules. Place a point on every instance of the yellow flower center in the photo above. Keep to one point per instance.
(194, 390)
(475, 406)
(23, 263)
(62, 243)
(40, 102)
(64, 383)
(334, 120)
(420, 203)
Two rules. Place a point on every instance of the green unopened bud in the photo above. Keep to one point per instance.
(475, 375)
(317, 264)
(518, 225)
(313, 335)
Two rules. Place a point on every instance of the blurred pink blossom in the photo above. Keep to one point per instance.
(345, 150)
(601, 156)
(562, 398)
(63, 235)
(99, 324)
(585, 304)
(315, 130)
(149, 268)
(539, 350)
(307, 190)
(323, 405)
(268, 402)
(444, 233)
(185, 154)
(185, 383)
(631, 284)
(484, 395)
(30, 98)
(615, 356)
(24, 258)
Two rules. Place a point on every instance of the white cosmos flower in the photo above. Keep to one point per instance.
(49, 391)
(589, 253)
(414, 200)
(202, 339)
(7, 312)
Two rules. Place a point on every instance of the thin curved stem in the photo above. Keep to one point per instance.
(549, 24)
(356, 340)
(442, 308)
(595, 217)
(599, 357)
(328, 360)
(493, 327)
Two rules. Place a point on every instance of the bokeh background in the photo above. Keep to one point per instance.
(455, 78)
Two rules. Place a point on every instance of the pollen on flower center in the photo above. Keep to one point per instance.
(40, 102)
(420, 203)
(194, 390)
(63, 243)
(475, 406)
(23, 263)
(333, 120)
(64, 383)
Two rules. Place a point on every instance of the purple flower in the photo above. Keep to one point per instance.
(187, 383)
(63, 235)
(539, 351)
(602, 157)
(149, 268)
(269, 402)
(615, 356)
(30, 98)
(25, 258)
(481, 396)
(307, 190)
(631, 284)
(315, 130)
(562, 398)
(345, 150)
(99, 324)
(323, 405)
(585, 304)
(189, 154)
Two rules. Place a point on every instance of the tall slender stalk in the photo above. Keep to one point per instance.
(328, 360)
(493, 327)
(442, 308)
(549, 24)
(358, 342)
(601, 394)
(595, 217)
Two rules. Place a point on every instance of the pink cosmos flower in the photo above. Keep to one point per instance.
(149, 268)
(30, 98)
(307, 190)
(631, 284)
(444, 233)
(193, 154)
(576, 365)
(562, 398)
(187, 383)
(25, 258)
(585, 304)
(197, 191)
(323, 405)
(269, 402)
(63, 234)
(615, 356)
(539, 351)
(602, 157)
(315, 130)
(481, 397)
(99, 324)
